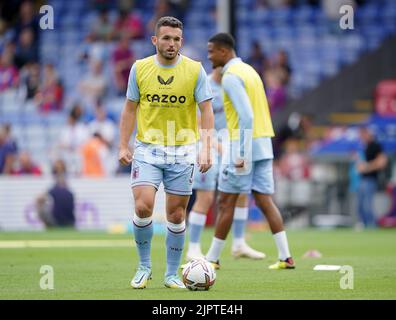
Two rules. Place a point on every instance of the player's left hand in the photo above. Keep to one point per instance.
(239, 164)
(204, 161)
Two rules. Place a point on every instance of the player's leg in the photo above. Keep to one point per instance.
(142, 221)
(196, 222)
(263, 188)
(176, 206)
(178, 180)
(240, 249)
(225, 214)
(230, 186)
(205, 185)
(145, 181)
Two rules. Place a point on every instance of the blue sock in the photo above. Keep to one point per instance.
(196, 223)
(175, 236)
(239, 223)
(143, 231)
(238, 228)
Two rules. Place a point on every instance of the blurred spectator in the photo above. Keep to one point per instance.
(276, 78)
(125, 4)
(162, 8)
(95, 154)
(302, 129)
(50, 94)
(93, 51)
(8, 150)
(102, 28)
(26, 166)
(27, 19)
(10, 139)
(6, 34)
(102, 125)
(129, 24)
(275, 90)
(385, 98)
(56, 207)
(294, 164)
(26, 50)
(93, 86)
(9, 76)
(72, 137)
(257, 58)
(282, 66)
(9, 11)
(122, 62)
(179, 8)
(31, 79)
(100, 5)
(369, 168)
(298, 126)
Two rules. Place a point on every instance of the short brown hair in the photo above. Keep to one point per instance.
(168, 22)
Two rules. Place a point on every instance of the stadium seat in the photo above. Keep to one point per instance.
(303, 14)
(281, 16)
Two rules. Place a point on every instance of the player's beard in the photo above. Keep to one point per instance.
(215, 65)
(168, 55)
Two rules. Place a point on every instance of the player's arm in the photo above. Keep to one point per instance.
(128, 118)
(236, 91)
(127, 125)
(207, 123)
(203, 95)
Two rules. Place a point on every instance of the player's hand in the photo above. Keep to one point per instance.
(204, 161)
(219, 148)
(239, 164)
(125, 156)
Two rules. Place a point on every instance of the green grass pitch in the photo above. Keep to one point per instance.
(105, 272)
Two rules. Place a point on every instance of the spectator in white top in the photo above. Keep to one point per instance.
(103, 125)
(72, 137)
(93, 86)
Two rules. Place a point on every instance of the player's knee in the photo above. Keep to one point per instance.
(265, 202)
(177, 216)
(210, 200)
(206, 202)
(225, 204)
(242, 200)
(143, 209)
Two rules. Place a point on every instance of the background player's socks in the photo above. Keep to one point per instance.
(239, 226)
(196, 223)
(282, 245)
(143, 231)
(174, 246)
(215, 249)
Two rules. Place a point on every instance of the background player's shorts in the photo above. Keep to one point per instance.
(206, 181)
(177, 178)
(259, 179)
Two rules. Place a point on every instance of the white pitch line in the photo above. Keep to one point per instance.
(21, 244)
